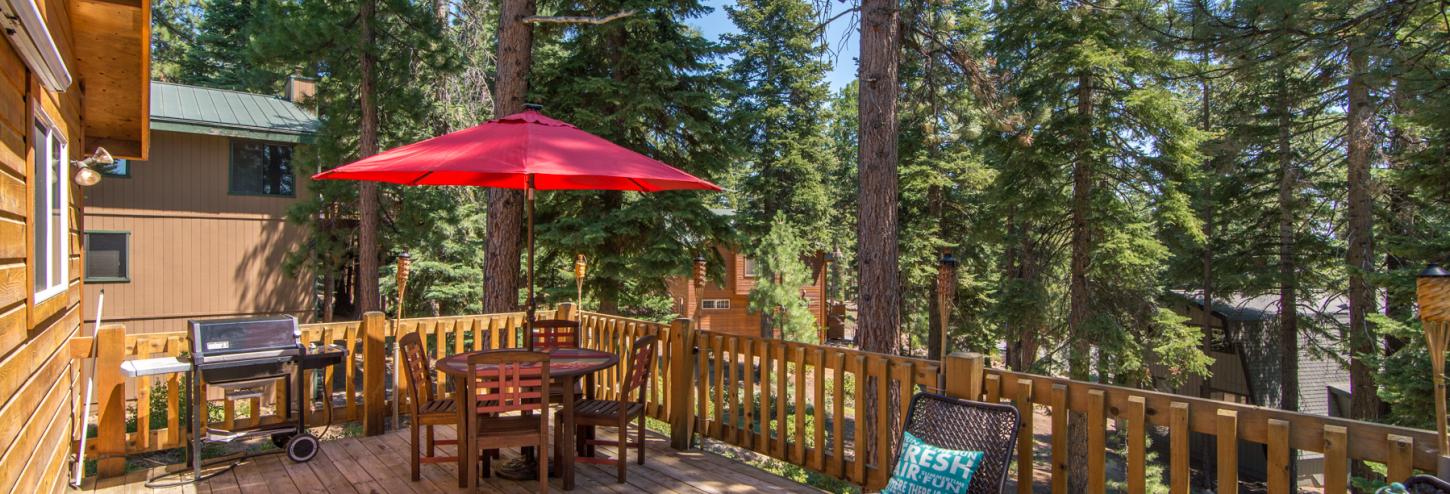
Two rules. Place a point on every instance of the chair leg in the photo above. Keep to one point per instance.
(432, 451)
(622, 463)
(640, 435)
(543, 462)
(485, 459)
(413, 451)
(582, 435)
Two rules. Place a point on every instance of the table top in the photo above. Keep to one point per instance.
(563, 362)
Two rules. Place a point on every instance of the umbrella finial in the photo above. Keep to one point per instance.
(534, 106)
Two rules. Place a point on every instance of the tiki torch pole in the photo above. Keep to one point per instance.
(581, 267)
(1432, 288)
(699, 280)
(404, 263)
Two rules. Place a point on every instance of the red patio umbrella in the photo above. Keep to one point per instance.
(526, 150)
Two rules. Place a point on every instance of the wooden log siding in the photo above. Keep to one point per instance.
(799, 403)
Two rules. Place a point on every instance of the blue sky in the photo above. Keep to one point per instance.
(841, 34)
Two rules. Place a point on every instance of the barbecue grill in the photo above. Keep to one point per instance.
(243, 358)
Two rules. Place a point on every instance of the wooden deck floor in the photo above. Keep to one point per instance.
(379, 465)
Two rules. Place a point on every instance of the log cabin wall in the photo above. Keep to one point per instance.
(104, 47)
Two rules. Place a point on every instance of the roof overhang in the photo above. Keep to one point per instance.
(25, 26)
(206, 128)
(112, 40)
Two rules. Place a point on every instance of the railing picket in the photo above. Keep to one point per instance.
(175, 435)
(818, 408)
(1278, 455)
(732, 406)
(1226, 430)
(1060, 413)
(1336, 459)
(1402, 451)
(782, 397)
(1096, 441)
(798, 360)
(838, 414)
(748, 396)
(882, 418)
(1137, 445)
(858, 466)
(1178, 471)
(994, 388)
(143, 405)
(1025, 472)
(717, 429)
(702, 385)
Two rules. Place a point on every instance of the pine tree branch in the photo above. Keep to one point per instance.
(577, 19)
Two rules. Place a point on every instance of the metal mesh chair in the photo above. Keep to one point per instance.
(951, 423)
(1427, 484)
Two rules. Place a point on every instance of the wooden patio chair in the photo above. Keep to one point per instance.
(952, 423)
(554, 333)
(516, 381)
(589, 414)
(426, 410)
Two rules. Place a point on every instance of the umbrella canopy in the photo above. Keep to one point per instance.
(508, 152)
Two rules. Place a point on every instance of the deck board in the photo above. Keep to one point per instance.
(379, 465)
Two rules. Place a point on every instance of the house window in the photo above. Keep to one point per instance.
(49, 216)
(749, 267)
(261, 169)
(108, 257)
(121, 168)
(715, 303)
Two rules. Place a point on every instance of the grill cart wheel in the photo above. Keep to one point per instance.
(302, 448)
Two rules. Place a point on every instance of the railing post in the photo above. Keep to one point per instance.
(682, 383)
(110, 389)
(374, 325)
(964, 374)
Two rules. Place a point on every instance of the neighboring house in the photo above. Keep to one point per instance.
(73, 78)
(726, 308)
(199, 230)
(1244, 344)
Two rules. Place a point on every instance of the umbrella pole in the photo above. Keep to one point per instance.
(530, 197)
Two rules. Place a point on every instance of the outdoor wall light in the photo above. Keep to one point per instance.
(86, 174)
(1432, 289)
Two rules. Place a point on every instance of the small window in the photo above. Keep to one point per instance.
(749, 267)
(108, 257)
(49, 218)
(121, 168)
(715, 303)
(261, 169)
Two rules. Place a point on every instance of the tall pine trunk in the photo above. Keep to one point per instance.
(1079, 345)
(943, 289)
(369, 298)
(879, 310)
(1364, 402)
(1288, 268)
(506, 207)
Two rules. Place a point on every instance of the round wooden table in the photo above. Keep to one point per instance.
(566, 366)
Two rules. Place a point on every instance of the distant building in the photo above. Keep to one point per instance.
(1244, 344)
(726, 308)
(199, 229)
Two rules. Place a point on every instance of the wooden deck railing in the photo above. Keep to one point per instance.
(808, 405)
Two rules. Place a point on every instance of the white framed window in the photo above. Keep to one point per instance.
(715, 303)
(51, 209)
(749, 267)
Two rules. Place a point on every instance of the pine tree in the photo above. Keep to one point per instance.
(220, 55)
(648, 82)
(781, 274)
(779, 69)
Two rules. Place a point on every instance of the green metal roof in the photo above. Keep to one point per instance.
(199, 110)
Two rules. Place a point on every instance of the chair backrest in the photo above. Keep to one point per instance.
(641, 363)
(421, 380)
(952, 423)
(508, 381)
(554, 333)
(1426, 484)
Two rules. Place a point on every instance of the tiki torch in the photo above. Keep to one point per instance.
(580, 269)
(1432, 288)
(404, 263)
(694, 310)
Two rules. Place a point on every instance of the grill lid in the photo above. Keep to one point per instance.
(220, 337)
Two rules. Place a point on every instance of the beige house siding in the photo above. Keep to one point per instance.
(196, 250)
